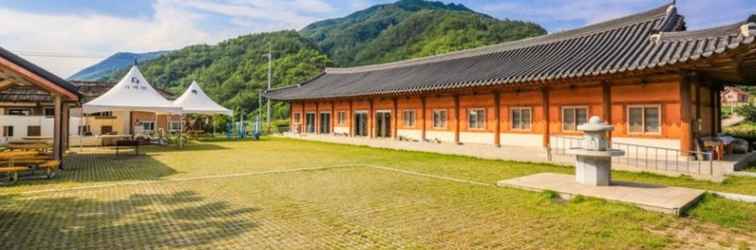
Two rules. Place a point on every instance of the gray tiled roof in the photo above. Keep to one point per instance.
(645, 40)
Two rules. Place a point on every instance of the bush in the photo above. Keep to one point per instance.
(747, 111)
(746, 130)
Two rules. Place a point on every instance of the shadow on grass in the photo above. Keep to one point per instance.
(173, 220)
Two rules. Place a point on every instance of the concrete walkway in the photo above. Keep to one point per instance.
(673, 200)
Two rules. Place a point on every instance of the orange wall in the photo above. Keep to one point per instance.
(663, 93)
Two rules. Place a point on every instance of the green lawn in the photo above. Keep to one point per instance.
(283, 193)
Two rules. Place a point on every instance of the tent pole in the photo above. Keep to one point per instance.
(82, 123)
(181, 132)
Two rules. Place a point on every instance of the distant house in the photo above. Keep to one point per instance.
(733, 96)
(656, 82)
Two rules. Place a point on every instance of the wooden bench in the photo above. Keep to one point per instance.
(12, 173)
(50, 168)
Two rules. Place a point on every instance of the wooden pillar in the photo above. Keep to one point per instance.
(131, 123)
(395, 121)
(317, 117)
(546, 124)
(333, 116)
(497, 119)
(351, 118)
(699, 106)
(424, 120)
(717, 108)
(371, 118)
(57, 128)
(685, 115)
(291, 119)
(606, 102)
(713, 105)
(65, 126)
(457, 122)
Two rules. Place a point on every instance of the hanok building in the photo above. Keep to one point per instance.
(657, 83)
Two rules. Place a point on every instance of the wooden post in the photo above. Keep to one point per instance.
(65, 126)
(395, 120)
(303, 119)
(57, 128)
(371, 118)
(424, 122)
(685, 116)
(606, 102)
(497, 119)
(718, 109)
(457, 122)
(131, 123)
(317, 117)
(547, 126)
(712, 104)
(699, 106)
(333, 117)
(351, 118)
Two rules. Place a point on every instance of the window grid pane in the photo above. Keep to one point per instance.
(525, 118)
(635, 119)
(568, 119)
(651, 120)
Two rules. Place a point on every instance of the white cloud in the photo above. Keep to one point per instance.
(170, 28)
(175, 24)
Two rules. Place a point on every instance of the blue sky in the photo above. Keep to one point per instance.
(78, 33)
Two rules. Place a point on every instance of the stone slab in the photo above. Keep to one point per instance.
(672, 200)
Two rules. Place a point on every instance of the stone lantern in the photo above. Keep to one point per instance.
(594, 156)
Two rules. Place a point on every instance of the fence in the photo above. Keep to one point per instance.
(645, 157)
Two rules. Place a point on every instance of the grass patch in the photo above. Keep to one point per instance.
(732, 214)
(352, 207)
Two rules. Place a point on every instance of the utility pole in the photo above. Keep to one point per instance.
(270, 68)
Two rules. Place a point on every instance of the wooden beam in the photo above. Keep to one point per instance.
(424, 120)
(317, 117)
(457, 122)
(395, 120)
(38, 80)
(351, 118)
(685, 115)
(303, 119)
(371, 118)
(546, 130)
(333, 116)
(6, 84)
(606, 101)
(497, 119)
(57, 128)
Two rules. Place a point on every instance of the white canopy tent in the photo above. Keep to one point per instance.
(195, 101)
(133, 93)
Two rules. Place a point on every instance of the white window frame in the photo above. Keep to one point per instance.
(643, 118)
(445, 121)
(409, 123)
(587, 116)
(143, 123)
(512, 121)
(482, 125)
(173, 128)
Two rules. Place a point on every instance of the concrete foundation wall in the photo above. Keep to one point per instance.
(521, 139)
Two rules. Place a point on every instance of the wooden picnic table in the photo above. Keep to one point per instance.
(40, 147)
(37, 138)
(4, 156)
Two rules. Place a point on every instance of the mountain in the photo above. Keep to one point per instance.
(409, 29)
(233, 71)
(112, 64)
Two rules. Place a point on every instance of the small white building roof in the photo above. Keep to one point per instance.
(195, 101)
(132, 93)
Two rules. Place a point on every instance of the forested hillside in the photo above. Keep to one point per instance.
(409, 29)
(233, 71)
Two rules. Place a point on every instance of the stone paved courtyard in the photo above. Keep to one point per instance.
(272, 194)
